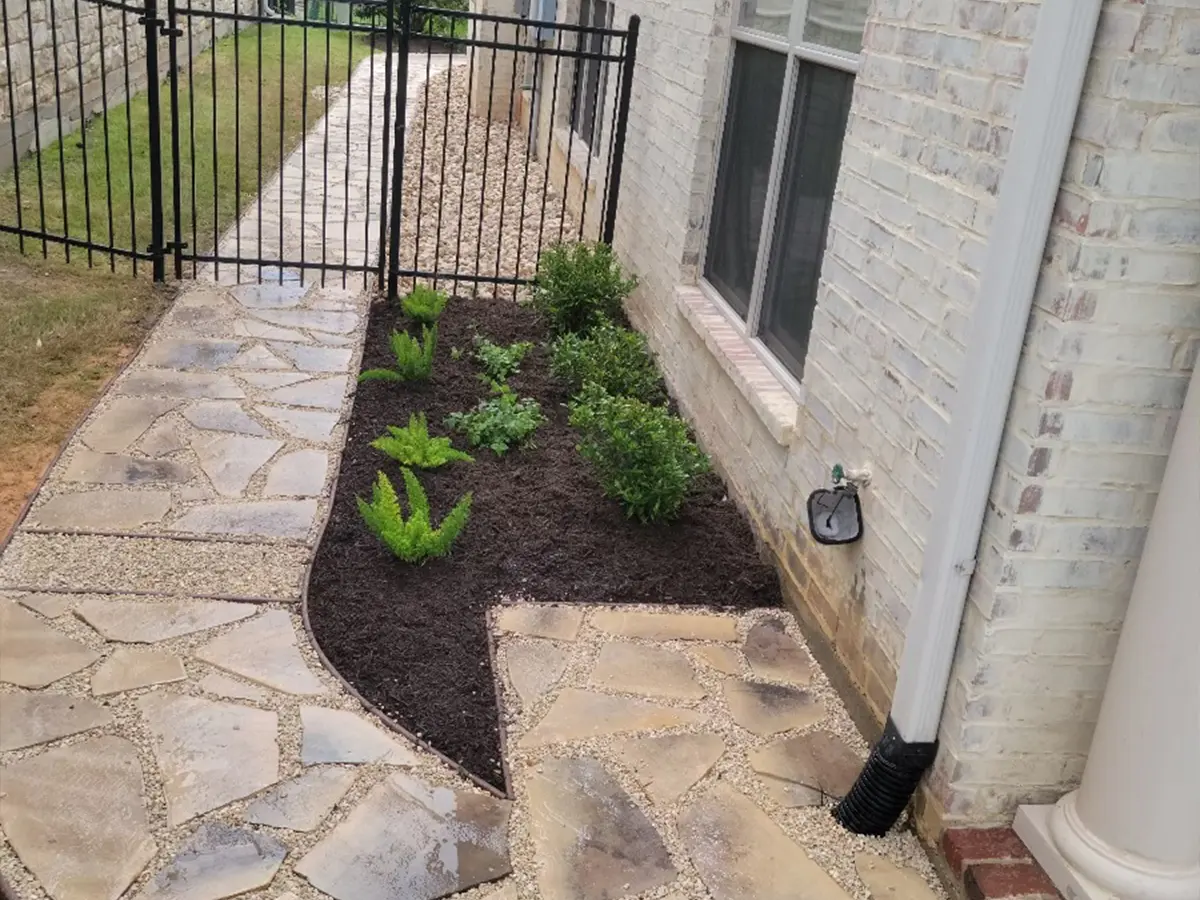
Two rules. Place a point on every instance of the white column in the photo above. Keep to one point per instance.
(1133, 827)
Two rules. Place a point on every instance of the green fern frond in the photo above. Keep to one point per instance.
(424, 304)
(412, 446)
(413, 539)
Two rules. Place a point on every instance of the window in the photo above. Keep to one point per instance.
(588, 90)
(790, 83)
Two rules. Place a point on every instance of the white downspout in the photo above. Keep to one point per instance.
(1058, 59)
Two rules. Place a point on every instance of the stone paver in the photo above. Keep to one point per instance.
(33, 654)
(230, 462)
(666, 626)
(134, 621)
(161, 439)
(253, 328)
(888, 881)
(340, 736)
(210, 753)
(593, 843)
(217, 861)
(805, 769)
(314, 359)
(271, 380)
(230, 688)
(27, 720)
(310, 424)
(668, 766)
(740, 853)
(118, 468)
(263, 650)
(642, 669)
(772, 654)
(767, 709)
(258, 357)
(577, 715)
(302, 803)
(268, 296)
(190, 354)
(76, 817)
(323, 393)
(129, 668)
(413, 840)
(222, 415)
(262, 518)
(559, 623)
(314, 320)
(185, 385)
(534, 667)
(49, 605)
(299, 474)
(102, 510)
(723, 659)
(123, 421)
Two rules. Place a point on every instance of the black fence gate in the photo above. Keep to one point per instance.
(308, 140)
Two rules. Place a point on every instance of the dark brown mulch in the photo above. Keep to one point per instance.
(413, 639)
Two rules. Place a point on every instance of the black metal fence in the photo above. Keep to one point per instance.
(302, 142)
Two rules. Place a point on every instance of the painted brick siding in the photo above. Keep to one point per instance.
(1111, 342)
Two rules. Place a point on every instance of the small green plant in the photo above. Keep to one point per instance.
(499, 362)
(456, 353)
(501, 422)
(578, 286)
(642, 454)
(412, 446)
(613, 357)
(413, 539)
(414, 357)
(424, 304)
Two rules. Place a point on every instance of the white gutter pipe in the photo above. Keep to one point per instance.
(1058, 59)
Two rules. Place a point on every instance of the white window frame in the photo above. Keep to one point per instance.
(795, 48)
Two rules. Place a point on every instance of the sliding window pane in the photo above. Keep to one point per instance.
(740, 198)
(818, 125)
(836, 23)
(771, 16)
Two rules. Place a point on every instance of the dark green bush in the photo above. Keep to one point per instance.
(424, 304)
(500, 362)
(413, 539)
(642, 454)
(414, 358)
(499, 423)
(578, 286)
(412, 446)
(613, 357)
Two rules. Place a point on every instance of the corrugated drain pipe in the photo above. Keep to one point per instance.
(1058, 58)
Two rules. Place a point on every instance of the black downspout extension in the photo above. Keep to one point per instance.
(885, 785)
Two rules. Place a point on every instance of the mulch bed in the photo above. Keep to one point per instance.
(413, 640)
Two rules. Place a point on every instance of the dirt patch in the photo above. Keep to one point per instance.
(413, 639)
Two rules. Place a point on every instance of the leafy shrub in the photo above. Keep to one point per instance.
(498, 361)
(414, 358)
(413, 539)
(500, 423)
(424, 304)
(578, 286)
(412, 446)
(614, 358)
(642, 454)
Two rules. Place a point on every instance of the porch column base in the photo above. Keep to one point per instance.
(1083, 867)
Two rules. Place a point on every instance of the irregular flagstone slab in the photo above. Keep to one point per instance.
(186, 385)
(117, 468)
(672, 626)
(642, 669)
(30, 719)
(76, 817)
(577, 715)
(128, 668)
(593, 843)
(324, 393)
(217, 861)
(32, 654)
(740, 853)
(265, 518)
(723, 659)
(269, 296)
(209, 753)
(123, 421)
(315, 359)
(162, 438)
(131, 621)
(264, 651)
(888, 881)
(257, 357)
(299, 474)
(340, 736)
(412, 840)
(534, 668)
(230, 462)
(222, 415)
(559, 623)
(332, 340)
(767, 709)
(308, 424)
(818, 762)
(336, 322)
(95, 510)
(255, 329)
(271, 380)
(190, 354)
(223, 686)
(772, 654)
(49, 605)
(668, 766)
(302, 803)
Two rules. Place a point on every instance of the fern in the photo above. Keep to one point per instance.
(424, 304)
(413, 539)
(499, 361)
(414, 357)
(412, 446)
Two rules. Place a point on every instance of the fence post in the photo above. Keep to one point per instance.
(398, 151)
(157, 246)
(614, 175)
(173, 31)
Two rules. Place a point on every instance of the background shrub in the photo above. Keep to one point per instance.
(613, 357)
(578, 286)
(642, 454)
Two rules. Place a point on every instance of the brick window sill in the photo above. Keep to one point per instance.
(767, 393)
